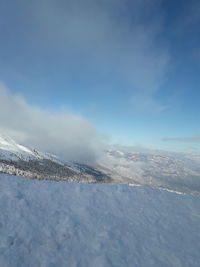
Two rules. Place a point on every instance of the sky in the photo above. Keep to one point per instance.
(78, 74)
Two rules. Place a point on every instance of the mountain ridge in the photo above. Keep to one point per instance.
(173, 172)
(19, 160)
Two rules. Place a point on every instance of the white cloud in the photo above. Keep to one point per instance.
(120, 40)
(68, 135)
(195, 138)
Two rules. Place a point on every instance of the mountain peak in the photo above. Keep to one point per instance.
(8, 144)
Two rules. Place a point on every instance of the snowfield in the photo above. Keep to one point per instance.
(60, 224)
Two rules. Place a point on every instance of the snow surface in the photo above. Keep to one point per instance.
(60, 224)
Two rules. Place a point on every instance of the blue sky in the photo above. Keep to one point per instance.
(131, 68)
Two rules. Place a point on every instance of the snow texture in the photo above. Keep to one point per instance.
(51, 224)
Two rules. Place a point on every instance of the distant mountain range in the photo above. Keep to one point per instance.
(169, 171)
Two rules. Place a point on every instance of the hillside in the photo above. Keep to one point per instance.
(16, 159)
(160, 169)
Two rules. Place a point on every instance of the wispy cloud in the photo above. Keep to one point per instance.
(116, 40)
(71, 136)
(190, 138)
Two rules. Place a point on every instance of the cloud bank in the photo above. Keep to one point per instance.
(68, 135)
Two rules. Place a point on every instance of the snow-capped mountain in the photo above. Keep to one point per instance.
(6, 143)
(19, 160)
(10, 150)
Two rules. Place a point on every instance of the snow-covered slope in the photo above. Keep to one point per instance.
(20, 160)
(6, 143)
(170, 171)
(51, 224)
(10, 150)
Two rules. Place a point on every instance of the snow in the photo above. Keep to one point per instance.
(10, 150)
(50, 224)
(6, 143)
(25, 149)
